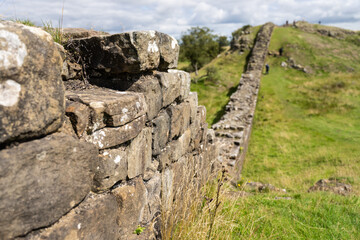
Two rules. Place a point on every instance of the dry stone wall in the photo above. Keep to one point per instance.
(98, 160)
(234, 128)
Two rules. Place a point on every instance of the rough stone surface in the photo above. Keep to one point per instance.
(170, 86)
(111, 168)
(131, 198)
(79, 115)
(37, 182)
(130, 52)
(169, 49)
(193, 101)
(94, 218)
(185, 82)
(153, 187)
(110, 137)
(150, 87)
(139, 154)
(31, 91)
(110, 107)
(160, 132)
(175, 150)
(179, 119)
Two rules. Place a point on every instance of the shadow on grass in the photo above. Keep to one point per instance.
(221, 112)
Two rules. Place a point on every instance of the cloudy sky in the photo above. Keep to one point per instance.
(176, 16)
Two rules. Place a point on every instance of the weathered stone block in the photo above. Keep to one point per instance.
(193, 101)
(185, 80)
(130, 52)
(175, 150)
(160, 132)
(179, 118)
(149, 85)
(128, 160)
(79, 115)
(201, 112)
(167, 180)
(139, 153)
(169, 51)
(170, 86)
(110, 137)
(109, 107)
(153, 187)
(132, 202)
(31, 90)
(94, 218)
(37, 182)
(111, 168)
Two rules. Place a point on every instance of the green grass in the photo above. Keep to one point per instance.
(306, 128)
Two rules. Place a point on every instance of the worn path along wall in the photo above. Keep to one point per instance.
(234, 128)
(98, 160)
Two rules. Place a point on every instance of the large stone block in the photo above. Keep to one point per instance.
(110, 108)
(179, 118)
(110, 137)
(167, 188)
(160, 132)
(41, 180)
(149, 85)
(139, 153)
(153, 187)
(31, 90)
(111, 168)
(145, 83)
(193, 101)
(130, 52)
(128, 160)
(79, 115)
(175, 150)
(169, 49)
(185, 81)
(132, 202)
(94, 218)
(170, 86)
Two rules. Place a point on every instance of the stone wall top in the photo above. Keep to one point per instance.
(130, 52)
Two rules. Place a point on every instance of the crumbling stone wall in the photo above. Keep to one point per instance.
(234, 128)
(97, 160)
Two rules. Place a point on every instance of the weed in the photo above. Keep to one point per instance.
(138, 230)
(26, 22)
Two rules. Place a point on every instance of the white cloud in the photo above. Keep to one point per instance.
(176, 16)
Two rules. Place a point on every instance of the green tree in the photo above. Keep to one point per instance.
(199, 46)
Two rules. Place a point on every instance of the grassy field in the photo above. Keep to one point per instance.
(306, 128)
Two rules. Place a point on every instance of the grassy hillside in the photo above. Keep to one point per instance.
(306, 128)
(215, 93)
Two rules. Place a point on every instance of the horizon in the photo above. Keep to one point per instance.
(175, 18)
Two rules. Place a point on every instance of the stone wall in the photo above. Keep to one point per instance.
(234, 128)
(121, 144)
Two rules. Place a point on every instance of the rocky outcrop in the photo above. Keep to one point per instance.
(99, 160)
(234, 128)
(327, 31)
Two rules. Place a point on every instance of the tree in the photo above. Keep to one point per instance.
(199, 46)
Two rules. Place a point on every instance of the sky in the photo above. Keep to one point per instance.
(175, 17)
